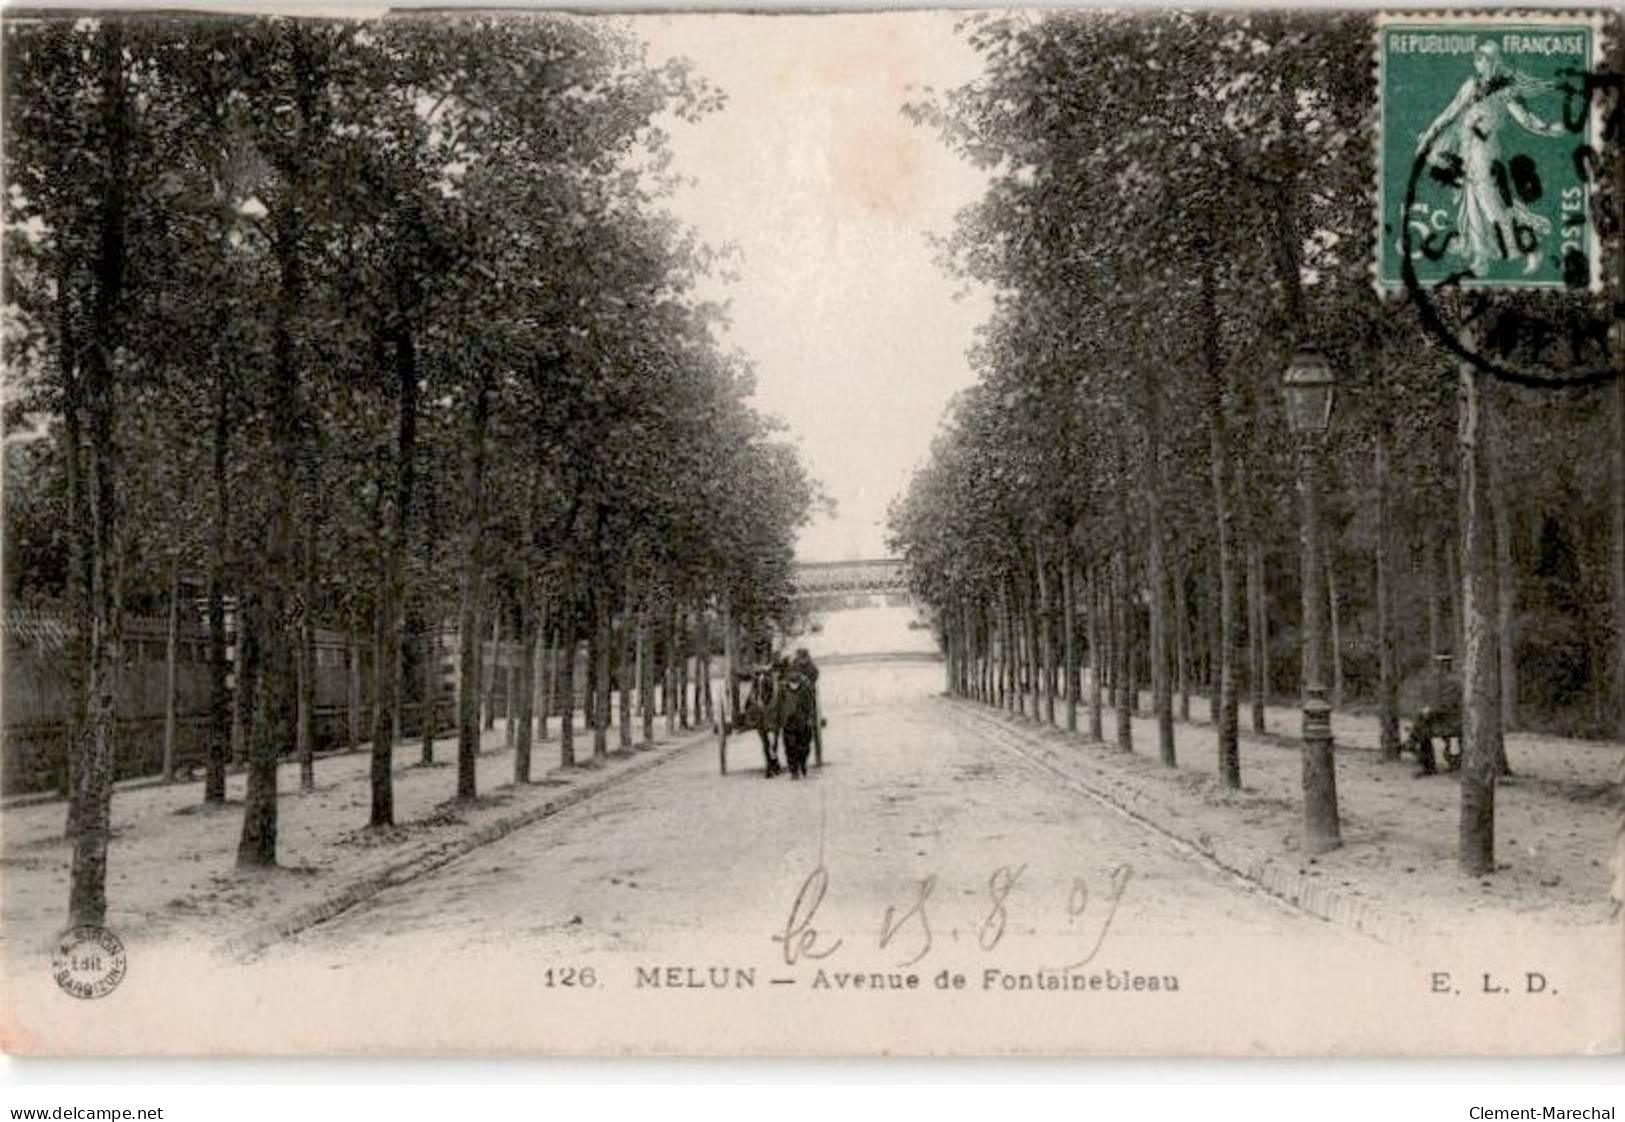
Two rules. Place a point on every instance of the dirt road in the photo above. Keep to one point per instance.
(969, 846)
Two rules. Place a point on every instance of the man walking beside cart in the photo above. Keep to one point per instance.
(803, 664)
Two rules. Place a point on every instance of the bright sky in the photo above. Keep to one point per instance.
(830, 193)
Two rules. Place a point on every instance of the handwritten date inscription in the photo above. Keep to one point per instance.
(906, 927)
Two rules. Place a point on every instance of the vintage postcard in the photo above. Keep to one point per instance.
(839, 533)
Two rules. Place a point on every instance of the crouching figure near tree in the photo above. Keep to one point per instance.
(1439, 721)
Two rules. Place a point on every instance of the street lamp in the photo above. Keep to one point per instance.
(1309, 386)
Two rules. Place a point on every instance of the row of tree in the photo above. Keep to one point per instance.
(364, 319)
(1177, 204)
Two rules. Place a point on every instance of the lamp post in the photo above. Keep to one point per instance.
(1309, 386)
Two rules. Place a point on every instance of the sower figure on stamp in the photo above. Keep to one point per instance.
(1494, 224)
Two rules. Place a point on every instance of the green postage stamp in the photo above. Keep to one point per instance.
(1489, 145)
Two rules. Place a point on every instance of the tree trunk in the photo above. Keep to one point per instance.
(1616, 520)
(993, 609)
(1151, 489)
(488, 674)
(1046, 637)
(510, 712)
(969, 669)
(431, 688)
(983, 685)
(1125, 654)
(543, 689)
(703, 671)
(982, 624)
(1162, 696)
(1430, 561)
(390, 621)
(1031, 654)
(301, 724)
(1257, 637)
(526, 685)
(80, 551)
(469, 631)
(1616, 564)
(214, 781)
(599, 656)
(1452, 573)
(1182, 642)
(1109, 620)
(545, 661)
(1069, 623)
(568, 643)
(245, 702)
(93, 778)
(668, 689)
(278, 691)
(590, 696)
(1039, 644)
(1097, 660)
(1012, 663)
(171, 664)
(1133, 679)
(355, 691)
(1481, 685)
(1229, 766)
(1506, 577)
(1387, 662)
(1006, 654)
(681, 658)
(646, 671)
(307, 612)
(624, 673)
(1215, 644)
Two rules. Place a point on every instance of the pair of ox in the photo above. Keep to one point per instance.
(782, 708)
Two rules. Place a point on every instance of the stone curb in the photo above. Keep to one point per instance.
(426, 859)
(1261, 870)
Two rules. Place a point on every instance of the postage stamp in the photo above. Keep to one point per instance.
(1488, 150)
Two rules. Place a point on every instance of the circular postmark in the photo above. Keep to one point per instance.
(1515, 324)
(89, 962)
(1514, 327)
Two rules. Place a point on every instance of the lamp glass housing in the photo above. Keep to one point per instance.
(1309, 386)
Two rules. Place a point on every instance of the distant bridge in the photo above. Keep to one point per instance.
(817, 579)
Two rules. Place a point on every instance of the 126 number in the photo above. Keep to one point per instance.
(570, 977)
